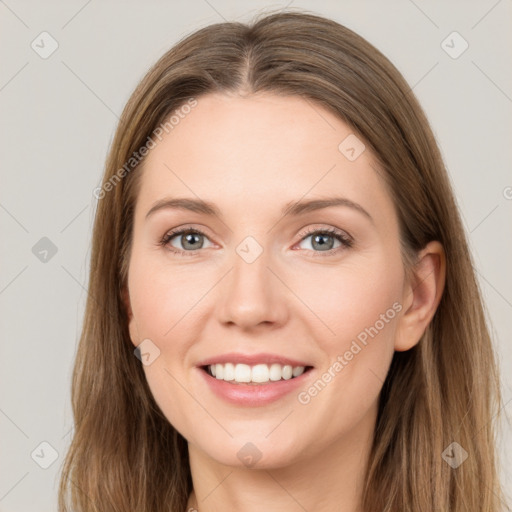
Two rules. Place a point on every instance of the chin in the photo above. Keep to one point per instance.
(254, 452)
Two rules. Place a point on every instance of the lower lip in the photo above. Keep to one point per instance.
(253, 394)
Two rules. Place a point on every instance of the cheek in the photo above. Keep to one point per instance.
(349, 299)
(359, 308)
(166, 308)
(346, 391)
(162, 299)
(163, 383)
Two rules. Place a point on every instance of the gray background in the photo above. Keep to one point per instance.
(58, 117)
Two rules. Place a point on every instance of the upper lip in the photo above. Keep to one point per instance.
(251, 359)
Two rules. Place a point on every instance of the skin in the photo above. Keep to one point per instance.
(250, 156)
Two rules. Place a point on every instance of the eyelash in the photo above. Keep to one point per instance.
(346, 240)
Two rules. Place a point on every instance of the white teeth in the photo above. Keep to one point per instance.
(287, 372)
(242, 373)
(298, 370)
(276, 372)
(259, 373)
(229, 372)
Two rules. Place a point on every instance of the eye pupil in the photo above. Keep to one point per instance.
(189, 239)
(320, 239)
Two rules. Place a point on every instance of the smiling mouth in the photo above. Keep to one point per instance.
(258, 374)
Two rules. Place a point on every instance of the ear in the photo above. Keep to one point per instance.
(132, 327)
(421, 297)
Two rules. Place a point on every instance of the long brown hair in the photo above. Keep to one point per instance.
(125, 455)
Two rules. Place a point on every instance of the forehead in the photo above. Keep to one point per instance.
(258, 150)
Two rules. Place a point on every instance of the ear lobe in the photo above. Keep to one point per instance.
(423, 294)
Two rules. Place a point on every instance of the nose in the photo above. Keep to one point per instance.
(252, 295)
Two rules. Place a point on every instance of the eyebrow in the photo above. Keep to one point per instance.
(293, 208)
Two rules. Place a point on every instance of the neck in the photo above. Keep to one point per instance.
(331, 479)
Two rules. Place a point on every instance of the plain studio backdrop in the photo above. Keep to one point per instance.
(67, 70)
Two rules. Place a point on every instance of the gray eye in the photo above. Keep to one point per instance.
(321, 241)
(190, 240)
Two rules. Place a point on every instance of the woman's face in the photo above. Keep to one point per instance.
(260, 289)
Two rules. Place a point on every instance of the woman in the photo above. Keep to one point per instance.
(282, 310)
